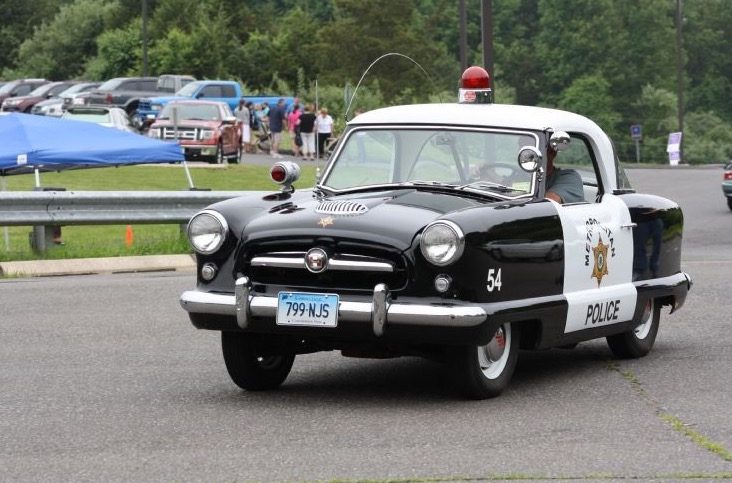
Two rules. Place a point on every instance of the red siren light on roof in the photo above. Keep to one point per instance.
(475, 86)
(475, 77)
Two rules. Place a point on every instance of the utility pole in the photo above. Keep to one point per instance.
(680, 72)
(463, 37)
(487, 29)
(144, 38)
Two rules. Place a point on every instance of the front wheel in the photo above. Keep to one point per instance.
(220, 158)
(256, 363)
(638, 341)
(483, 372)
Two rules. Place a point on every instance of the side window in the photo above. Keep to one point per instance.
(129, 85)
(578, 156)
(228, 91)
(58, 89)
(148, 85)
(23, 90)
(211, 91)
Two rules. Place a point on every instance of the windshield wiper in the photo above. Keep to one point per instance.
(419, 182)
(489, 185)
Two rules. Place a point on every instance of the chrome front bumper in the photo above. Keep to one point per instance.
(379, 312)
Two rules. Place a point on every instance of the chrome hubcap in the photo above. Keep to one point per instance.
(493, 356)
(644, 328)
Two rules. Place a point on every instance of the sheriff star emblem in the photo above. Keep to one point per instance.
(327, 221)
(600, 268)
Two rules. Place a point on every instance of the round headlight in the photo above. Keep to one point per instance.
(442, 242)
(207, 231)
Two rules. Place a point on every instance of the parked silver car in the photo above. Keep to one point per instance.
(55, 106)
(108, 116)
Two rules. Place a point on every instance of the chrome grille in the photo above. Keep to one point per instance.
(185, 133)
(352, 263)
(353, 266)
(341, 207)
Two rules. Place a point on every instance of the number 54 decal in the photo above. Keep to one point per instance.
(494, 280)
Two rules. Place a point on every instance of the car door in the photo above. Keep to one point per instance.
(598, 248)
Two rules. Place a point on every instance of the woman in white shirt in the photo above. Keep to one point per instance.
(324, 128)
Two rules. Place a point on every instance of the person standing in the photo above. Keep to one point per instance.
(277, 121)
(243, 115)
(307, 132)
(324, 128)
(293, 127)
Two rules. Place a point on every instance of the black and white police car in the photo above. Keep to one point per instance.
(430, 233)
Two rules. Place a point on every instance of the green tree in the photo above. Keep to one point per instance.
(17, 22)
(657, 108)
(707, 39)
(118, 54)
(60, 48)
(590, 96)
(367, 30)
(707, 138)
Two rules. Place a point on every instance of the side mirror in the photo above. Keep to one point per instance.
(199, 95)
(529, 158)
(559, 141)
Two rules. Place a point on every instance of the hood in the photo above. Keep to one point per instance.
(23, 99)
(165, 99)
(50, 102)
(391, 217)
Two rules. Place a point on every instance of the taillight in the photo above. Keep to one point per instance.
(109, 98)
(728, 175)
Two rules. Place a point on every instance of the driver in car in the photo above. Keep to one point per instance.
(562, 185)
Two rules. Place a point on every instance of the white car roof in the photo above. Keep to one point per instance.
(499, 116)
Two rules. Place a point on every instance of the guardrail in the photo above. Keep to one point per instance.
(42, 209)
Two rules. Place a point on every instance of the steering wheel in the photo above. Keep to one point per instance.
(499, 173)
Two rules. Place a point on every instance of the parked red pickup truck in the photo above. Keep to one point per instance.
(205, 129)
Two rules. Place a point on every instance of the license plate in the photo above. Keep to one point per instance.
(307, 309)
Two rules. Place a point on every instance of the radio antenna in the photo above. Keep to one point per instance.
(374, 63)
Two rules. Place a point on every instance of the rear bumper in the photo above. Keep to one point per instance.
(727, 189)
(377, 314)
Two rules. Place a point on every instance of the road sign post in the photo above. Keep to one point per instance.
(636, 134)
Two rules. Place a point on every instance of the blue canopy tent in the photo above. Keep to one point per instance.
(31, 143)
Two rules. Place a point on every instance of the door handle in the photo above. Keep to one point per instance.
(629, 226)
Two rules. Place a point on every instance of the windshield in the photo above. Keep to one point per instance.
(73, 89)
(480, 160)
(111, 84)
(187, 90)
(5, 89)
(89, 116)
(207, 112)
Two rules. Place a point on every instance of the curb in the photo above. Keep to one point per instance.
(87, 266)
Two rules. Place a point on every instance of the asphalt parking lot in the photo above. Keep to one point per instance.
(104, 379)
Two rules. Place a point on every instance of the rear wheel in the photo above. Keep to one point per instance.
(729, 202)
(254, 362)
(638, 341)
(484, 371)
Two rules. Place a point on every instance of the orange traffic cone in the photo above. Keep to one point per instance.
(129, 236)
